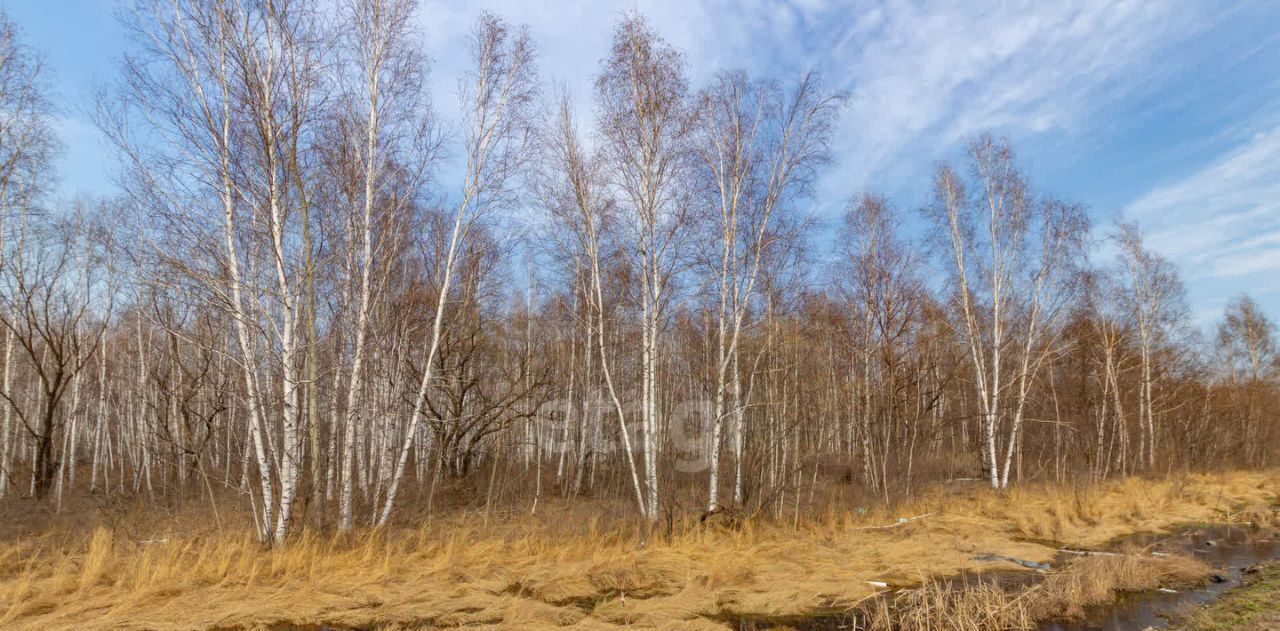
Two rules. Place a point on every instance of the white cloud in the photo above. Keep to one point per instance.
(1223, 221)
(1221, 225)
(928, 78)
(924, 76)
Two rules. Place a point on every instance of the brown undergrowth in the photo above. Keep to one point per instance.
(564, 569)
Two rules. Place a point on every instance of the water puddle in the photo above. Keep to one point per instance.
(800, 622)
(1230, 549)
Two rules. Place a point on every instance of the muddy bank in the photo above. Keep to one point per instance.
(1253, 606)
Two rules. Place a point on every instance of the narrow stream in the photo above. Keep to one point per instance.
(1229, 549)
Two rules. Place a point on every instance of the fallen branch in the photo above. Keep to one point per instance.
(901, 521)
(1034, 565)
(1089, 553)
(1100, 553)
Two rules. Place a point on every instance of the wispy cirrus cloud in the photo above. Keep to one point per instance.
(1221, 222)
(927, 77)
(1068, 80)
(923, 76)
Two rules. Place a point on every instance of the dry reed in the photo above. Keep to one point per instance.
(565, 568)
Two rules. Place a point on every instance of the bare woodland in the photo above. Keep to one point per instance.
(320, 300)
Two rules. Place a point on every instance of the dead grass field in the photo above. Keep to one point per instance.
(562, 569)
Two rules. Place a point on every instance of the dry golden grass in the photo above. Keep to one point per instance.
(537, 573)
(1064, 594)
(940, 604)
(1096, 580)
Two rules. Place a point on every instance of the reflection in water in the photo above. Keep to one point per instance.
(1229, 549)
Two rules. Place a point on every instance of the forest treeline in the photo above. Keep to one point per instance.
(314, 292)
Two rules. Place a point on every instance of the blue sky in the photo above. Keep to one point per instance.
(1167, 113)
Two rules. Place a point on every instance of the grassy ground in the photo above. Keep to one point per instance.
(563, 569)
(1255, 606)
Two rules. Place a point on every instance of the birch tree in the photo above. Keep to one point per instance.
(389, 134)
(1009, 257)
(1247, 342)
(758, 146)
(885, 292)
(27, 148)
(1155, 301)
(223, 96)
(497, 96)
(47, 310)
(642, 99)
(572, 190)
